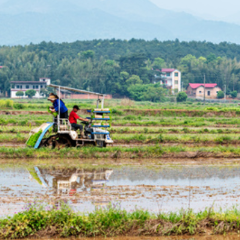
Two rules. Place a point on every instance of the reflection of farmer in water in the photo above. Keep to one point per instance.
(65, 182)
(68, 185)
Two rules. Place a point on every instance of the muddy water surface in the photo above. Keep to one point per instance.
(163, 189)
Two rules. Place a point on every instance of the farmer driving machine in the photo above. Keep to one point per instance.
(60, 133)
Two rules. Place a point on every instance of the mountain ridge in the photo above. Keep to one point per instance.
(25, 21)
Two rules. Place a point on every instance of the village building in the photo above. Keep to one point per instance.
(196, 90)
(171, 78)
(23, 86)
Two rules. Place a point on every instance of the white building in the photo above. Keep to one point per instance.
(171, 78)
(23, 86)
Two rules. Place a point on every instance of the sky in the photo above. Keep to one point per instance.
(223, 10)
(207, 9)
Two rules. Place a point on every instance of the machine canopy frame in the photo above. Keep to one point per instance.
(59, 88)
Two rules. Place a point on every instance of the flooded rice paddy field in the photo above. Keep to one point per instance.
(164, 189)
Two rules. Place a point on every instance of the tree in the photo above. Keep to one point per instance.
(234, 94)
(30, 93)
(45, 91)
(19, 93)
(147, 92)
(88, 54)
(134, 64)
(220, 94)
(134, 79)
(136, 91)
(211, 58)
(158, 63)
(182, 97)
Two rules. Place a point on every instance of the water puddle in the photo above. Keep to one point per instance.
(164, 189)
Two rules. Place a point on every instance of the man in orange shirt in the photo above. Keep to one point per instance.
(73, 117)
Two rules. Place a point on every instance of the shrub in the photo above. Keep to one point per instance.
(30, 93)
(19, 93)
(234, 94)
(6, 104)
(220, 94)
(18, 106)
(181, 97)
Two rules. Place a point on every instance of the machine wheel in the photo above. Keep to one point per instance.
(62, 142)
(100, 143)
(49, 142)
(56, 141)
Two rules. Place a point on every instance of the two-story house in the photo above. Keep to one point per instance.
(171, 78)
(23, 86)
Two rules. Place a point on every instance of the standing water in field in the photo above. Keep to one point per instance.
(163, 189)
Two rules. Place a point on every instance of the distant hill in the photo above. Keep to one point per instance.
(25, 21)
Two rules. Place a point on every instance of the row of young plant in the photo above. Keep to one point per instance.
(158, 123)
(119, 104)
(181, 138)
(137, 130)
(140, 138)
(41, 220)
(145, 152)
(155, 130)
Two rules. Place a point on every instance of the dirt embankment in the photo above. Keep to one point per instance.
(149, 112)
(181, 112)
(12, 112)
(187, 157)
(186, 228)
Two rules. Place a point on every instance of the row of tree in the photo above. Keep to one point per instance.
(121, 68)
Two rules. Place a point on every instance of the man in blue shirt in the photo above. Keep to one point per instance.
(55, 108)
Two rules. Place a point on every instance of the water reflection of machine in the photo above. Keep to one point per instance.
(65, 182)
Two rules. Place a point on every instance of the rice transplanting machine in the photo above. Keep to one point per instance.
(60, 134)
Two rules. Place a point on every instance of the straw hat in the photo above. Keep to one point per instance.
(52, 98)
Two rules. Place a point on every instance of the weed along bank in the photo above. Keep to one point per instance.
(134, 168)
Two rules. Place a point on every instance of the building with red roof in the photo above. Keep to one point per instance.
(171, 78)
(196, 90)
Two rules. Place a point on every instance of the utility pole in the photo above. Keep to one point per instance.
(182, 87)
(225, 91)
(204, 88)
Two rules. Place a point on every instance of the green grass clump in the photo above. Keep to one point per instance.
(18, 106)
(33, 139)
(130, 117)
(111, 221)
(6, 104)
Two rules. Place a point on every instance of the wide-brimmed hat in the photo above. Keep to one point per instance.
(51, 98)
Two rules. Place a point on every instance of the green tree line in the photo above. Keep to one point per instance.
(120, 67)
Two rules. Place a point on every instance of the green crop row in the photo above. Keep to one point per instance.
(137, 138)
(147, 152)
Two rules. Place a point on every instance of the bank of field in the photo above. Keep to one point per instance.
(41, 221)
